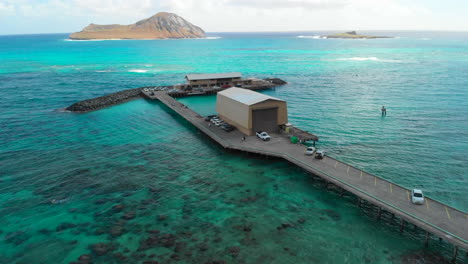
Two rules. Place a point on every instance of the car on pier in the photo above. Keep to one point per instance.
(217, 122)
(263, 135)
(319, 154)
(417, 196)
(310, 151)
(208, 118)
(227, 127)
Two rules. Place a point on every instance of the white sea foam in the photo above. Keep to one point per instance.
(84, 39)
(62, 110)
(104, 71)
(102, 39)
(313, 37)
(138, 71)
(367, 59)
(193, 38)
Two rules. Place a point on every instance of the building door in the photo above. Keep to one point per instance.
(265, 120)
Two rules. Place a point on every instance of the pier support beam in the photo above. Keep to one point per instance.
(426, 242)
(379, 214)
(455, 254)
(402, 225)
(359, 202)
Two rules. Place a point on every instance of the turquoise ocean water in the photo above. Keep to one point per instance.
(147, 185)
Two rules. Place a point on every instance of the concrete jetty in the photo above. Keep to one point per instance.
(437, 218)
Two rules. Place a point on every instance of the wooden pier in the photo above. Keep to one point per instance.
(437, 218)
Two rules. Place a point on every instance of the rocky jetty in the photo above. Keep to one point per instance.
(160, 26)
(130, 94)
(105, 101)
(276, 81)
(353, 35)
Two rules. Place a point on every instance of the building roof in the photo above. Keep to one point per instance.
(209, 76)
(247, 97)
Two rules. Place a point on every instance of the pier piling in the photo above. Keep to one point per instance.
(402, 225)
(455, 254)
(426, 242)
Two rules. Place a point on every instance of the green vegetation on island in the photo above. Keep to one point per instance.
(353, 35)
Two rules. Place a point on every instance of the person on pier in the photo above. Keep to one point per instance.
(384, 111)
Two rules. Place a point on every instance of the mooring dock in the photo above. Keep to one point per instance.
(434, 217)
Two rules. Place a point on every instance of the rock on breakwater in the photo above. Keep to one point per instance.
(105, 101)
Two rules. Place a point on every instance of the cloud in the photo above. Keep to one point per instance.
(307, 4)
(6, 9)
(34, 16)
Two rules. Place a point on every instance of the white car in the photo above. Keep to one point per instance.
(310, 151)
(263, 135)
(417, 196)
(319, 154)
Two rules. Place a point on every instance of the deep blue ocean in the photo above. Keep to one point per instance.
(135, 182)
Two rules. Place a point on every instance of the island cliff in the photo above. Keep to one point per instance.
(160, 26)
(353, 35)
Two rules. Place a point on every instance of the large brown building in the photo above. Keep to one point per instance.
(214, 79)
(250, 111)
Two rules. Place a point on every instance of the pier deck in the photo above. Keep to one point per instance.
(435, 217)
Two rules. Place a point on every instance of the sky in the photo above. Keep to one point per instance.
(66, 16)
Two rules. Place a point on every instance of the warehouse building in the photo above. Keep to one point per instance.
(250, 111)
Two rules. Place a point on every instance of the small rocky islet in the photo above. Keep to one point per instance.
(163, 25)
(352, 35)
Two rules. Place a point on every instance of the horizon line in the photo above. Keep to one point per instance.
(286, 31)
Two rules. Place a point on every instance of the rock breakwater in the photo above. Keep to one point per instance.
(106, 100)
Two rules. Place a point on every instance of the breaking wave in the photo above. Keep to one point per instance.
(367, 59)
(84, 39)
(313, 37)
(138, 71)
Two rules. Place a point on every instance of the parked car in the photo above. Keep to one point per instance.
(310, 151)
(208, 118)
(263, 135)
(417, 196)
(319, 154)
(228, 128)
